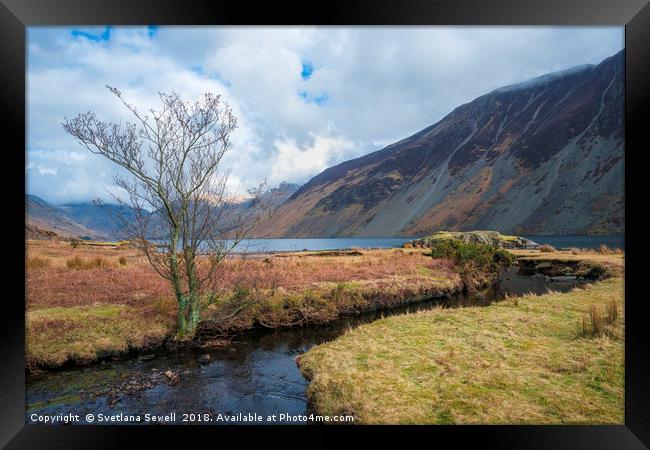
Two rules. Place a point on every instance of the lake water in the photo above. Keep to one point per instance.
(283, 245)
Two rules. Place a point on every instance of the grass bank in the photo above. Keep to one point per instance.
(555, 358)
(87, 302)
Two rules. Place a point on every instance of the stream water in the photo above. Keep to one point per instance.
(256, 374)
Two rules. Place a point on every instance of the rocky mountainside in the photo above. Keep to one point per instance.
(541, 157)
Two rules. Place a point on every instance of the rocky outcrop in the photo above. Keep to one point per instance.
(493, 238)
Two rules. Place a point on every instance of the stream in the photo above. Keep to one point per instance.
(256, 374)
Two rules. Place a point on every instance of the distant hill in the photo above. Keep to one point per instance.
(541, 157)
(100, 219)
(42, 217)
(87, 219)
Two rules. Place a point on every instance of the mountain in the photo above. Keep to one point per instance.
(541, 157)
(42, 219)
(75, 220)
(100, 219)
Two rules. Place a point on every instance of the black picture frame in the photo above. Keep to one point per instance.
(16, 15)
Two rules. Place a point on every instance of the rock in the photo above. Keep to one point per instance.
(563, 278)
(204, 359)
(172, 377)
(566, 271)
(543, 265)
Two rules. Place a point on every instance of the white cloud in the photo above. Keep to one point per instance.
(294, 162)
(370, 86)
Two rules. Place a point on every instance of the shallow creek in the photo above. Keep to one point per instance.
(256, 374)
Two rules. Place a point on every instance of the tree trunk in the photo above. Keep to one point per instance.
(189, 314)
(193, 297)
(194, 314)
(185, 327)
(182, 316)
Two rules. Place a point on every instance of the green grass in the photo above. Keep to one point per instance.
(58, 334)
(518, 361)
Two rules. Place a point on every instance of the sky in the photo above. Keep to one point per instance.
(306, 98)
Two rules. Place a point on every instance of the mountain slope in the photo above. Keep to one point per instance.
(44, 217)
(543, 156)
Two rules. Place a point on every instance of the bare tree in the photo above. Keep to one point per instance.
(181, 215)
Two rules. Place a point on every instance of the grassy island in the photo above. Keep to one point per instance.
(555, 358)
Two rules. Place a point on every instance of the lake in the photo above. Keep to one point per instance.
(283, 245)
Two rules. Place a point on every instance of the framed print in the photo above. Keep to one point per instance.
(413, 218)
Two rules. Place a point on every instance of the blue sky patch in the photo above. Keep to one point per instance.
(307, 70)
(319, 100)
(95, 37)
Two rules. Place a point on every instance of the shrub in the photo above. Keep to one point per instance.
(407, 245)
(472, 257)
(74, 243)
(547, 248)
(122, 261)
(37, 263)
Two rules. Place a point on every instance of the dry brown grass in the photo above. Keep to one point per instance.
(58, 252)
(299, 271)
(601, 320)
(35, 262)
(98, 262)
(134, 286)
(546, 248)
